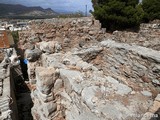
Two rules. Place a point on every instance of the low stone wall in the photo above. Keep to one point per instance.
(120, 85)
(8, 106)
(147, 36)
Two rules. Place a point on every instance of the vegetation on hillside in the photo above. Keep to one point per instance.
(21, 11)
(124, 14)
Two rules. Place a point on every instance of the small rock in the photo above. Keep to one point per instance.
(133, 93)
(146, 93)
(156, 82)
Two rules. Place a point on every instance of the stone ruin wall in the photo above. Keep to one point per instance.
(69, 32)
(78, 72)
(147, 36)
(8, 104)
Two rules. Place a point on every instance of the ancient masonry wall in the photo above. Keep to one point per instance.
(69, 32)
(8, 106)
(79, 72)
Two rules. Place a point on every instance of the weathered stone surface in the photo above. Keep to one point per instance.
(31, 71)
(53, 60)
(32, 55)
(58, 85)
(71, 79)
(89, 53)
(6, 88)
(102, 76)
(49, 108)
(158, 98)
(145, 52)
(146, 93)
(48, 47)
(46, 78)
(38, 95)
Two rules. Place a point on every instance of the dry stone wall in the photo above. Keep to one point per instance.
(78, 72)
(68, 32)
(148, 36)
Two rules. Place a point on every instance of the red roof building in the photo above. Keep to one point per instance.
(4, 42)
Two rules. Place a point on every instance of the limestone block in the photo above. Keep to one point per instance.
(46, 78)
(155, 107)
(52, 60)
(37, 95)
(71, 80)
(31, 71)
(146, 93)
(88, 95)
(119, 88)
(49, 108)
(48, 47)
(58, 85)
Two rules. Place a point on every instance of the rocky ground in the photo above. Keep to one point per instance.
(77, 71)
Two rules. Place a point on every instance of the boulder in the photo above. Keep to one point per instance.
(33, 55)
(48, 47)
(46, 78)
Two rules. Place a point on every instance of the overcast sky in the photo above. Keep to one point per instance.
(57, 5)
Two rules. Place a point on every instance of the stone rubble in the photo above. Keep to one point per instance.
(92, 75)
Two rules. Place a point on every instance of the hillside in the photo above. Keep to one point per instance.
(9, 10)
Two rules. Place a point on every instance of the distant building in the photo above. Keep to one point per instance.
(14, 25)
(2, 28)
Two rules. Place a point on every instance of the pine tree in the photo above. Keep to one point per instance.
(118, 14)
(151, 9)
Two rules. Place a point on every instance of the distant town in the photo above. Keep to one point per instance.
(14, 25)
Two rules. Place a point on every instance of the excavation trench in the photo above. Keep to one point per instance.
(22, 91)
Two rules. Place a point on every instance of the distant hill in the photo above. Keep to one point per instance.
(9, 10)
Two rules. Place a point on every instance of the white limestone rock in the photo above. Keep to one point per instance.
(46, 78)
(71, 80)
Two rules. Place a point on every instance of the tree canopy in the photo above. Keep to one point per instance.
(151, 9)
(123, 14)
